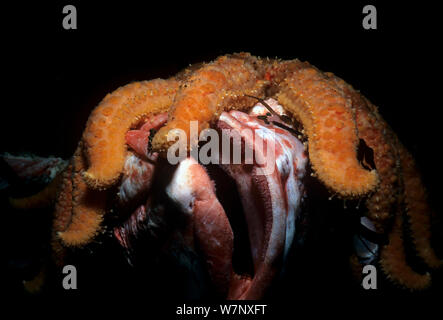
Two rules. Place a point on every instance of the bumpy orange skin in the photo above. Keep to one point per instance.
(88, 207)
(104, 136)
(417, 209)
(393, 261)
(329, 123)
(63, 206)
(381, 202)
(398, 176)
(62, 216)
(334, 117)
(210, 90)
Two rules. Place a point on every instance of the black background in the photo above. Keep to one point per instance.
(55, 77)
(58, 76)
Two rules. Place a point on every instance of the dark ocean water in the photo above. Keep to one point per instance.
(56, 77)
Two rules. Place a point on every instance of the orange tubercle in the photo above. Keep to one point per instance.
(393, 262)
(373, 130)
(88, 208)
(418, 210)
(329, 123)
(104, 136)
(63, 205)
(200, 97)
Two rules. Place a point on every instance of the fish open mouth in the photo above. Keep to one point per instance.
(240, 215)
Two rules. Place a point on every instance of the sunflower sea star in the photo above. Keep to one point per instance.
(335, 119)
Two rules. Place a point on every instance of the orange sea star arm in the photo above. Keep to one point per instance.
(329, 123)
(88, 207)
(43, 199)
(417, 209)
(62, 216)
(373, 130)
(393, 261)
(210, 90)
(104, 136)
